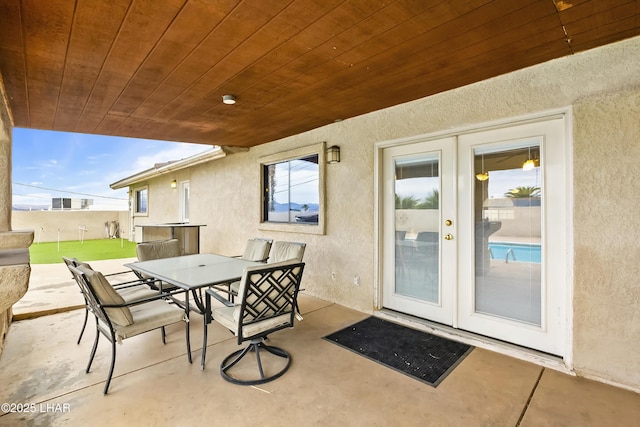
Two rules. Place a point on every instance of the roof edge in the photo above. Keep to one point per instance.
(215, 153)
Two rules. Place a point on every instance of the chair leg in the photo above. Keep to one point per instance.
(240, 353)
(84, 324)
(113, 364)
(257, 350)
(95, 346)
(255, 345)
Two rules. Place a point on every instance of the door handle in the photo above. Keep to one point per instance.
(448, 236)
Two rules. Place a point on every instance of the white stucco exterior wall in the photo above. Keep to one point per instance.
(602, 86)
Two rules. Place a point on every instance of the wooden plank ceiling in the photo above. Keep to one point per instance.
(158, 68)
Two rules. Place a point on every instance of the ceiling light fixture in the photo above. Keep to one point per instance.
(531, 163)
(482, 176)
(228, 99)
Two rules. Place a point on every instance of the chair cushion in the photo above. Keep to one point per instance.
(147, 251)
(256, 250)
(286, 251)
(107, 295)
(156, 250)
(136, 293)
(234, 287)
(148, 316)
(228, 317)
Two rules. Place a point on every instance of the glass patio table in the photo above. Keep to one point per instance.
(194, 272)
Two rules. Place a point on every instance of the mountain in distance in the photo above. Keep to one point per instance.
(283, 207)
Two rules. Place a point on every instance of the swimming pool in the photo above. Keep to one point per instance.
(518, 252)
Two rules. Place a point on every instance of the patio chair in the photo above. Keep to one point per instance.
(255, 250)
(266, 304)
(118, 320)
(158, 249)
(130, 290)
(279, 252)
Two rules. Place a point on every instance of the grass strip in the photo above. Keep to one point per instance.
(89, 250)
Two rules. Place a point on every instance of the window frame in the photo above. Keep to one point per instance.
(136, 197)
(318, 149)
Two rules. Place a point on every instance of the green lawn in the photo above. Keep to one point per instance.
(90, 250)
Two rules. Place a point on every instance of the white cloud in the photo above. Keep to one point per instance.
(178, 152)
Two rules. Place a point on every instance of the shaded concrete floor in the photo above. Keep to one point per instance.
(326, 385)
(51, 289)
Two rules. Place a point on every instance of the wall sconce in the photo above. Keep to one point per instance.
(333, 154)
(174, 184)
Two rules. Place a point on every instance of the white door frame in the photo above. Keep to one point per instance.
(184, 185)
(442, 311)
(567, 113)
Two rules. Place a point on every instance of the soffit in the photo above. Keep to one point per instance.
(158, 69)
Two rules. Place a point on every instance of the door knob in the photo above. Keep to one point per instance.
(448, 223)
(448, 236)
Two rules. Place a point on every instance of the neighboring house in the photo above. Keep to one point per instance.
(579, 115)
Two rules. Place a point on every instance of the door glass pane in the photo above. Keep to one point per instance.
(507, 212)
(417, 213)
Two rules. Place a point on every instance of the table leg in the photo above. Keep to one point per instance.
(186, 302)
(207, 320)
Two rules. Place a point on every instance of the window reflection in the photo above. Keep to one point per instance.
(292, 191)
(508, 224)
(417, 200)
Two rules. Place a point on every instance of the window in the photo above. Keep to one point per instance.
(141, 201)
(293, 190)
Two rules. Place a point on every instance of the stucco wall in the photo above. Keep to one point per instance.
(602, 85)
(607, 236)
(166, 211)
(47, 223)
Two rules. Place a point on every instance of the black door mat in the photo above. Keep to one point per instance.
(420, 355)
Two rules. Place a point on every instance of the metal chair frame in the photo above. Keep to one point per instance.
(72, 262)
(268, 292)
(107, 329)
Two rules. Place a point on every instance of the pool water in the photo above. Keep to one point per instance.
(518, 252)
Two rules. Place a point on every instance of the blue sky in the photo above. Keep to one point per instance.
(49, 164)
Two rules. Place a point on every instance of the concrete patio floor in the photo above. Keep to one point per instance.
(326, 385)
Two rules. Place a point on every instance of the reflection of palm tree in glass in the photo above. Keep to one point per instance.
(522, 192)
(432, 201)
(408, 202)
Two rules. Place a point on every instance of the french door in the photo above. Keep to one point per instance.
(474, 232)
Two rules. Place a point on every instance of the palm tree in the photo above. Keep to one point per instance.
(432, 201)
(408, 202)
(523, 192)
